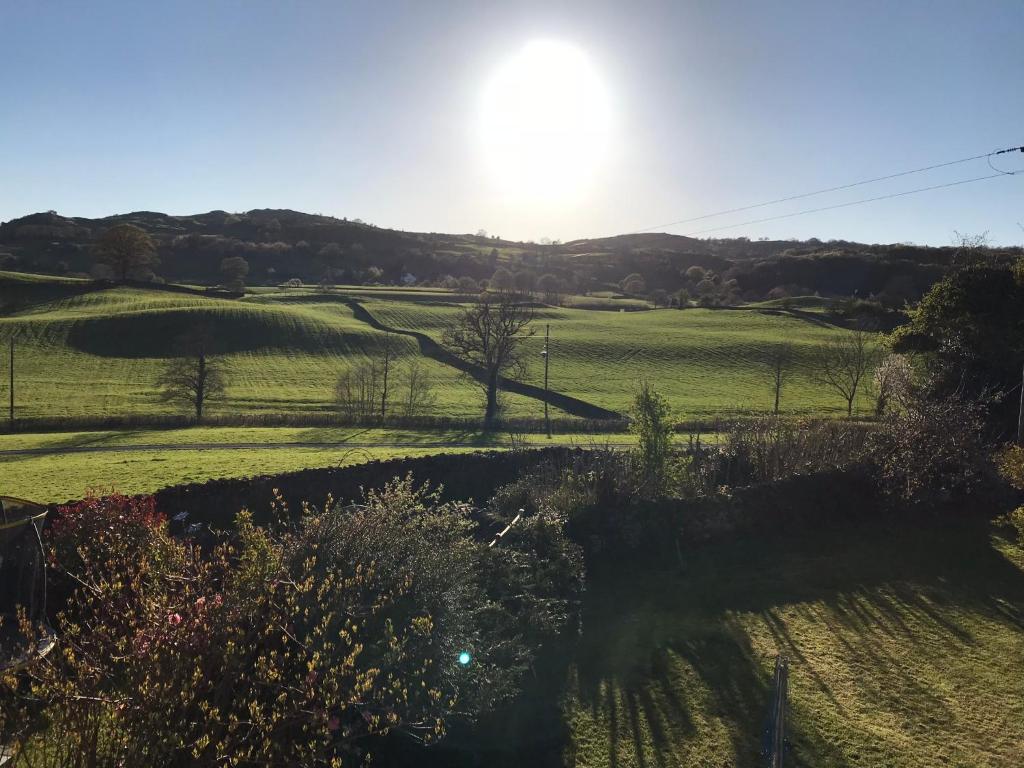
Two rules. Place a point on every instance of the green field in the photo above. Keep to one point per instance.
(66, 465)
(708, 363)
(98, 353)
(905, 645)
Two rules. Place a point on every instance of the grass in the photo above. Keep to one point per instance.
(84, 353)
(141, 461)
(906, 649)
(100, 353)
(708, 363)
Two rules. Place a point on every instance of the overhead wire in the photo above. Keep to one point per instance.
(987, 156)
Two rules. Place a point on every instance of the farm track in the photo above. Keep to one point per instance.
(432, 349)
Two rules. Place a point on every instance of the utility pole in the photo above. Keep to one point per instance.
(547, 358)
(11, 415)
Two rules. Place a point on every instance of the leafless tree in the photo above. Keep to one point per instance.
(842, 363)
(488, 334)
(892, 383)
(194, 377)
(357, 390)
(128, 251)
(779, 361)
(417, 389)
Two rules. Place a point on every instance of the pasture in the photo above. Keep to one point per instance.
(98, 353)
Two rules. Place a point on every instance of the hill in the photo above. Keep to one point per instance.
(282, 245)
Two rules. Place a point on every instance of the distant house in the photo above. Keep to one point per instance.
(408, 279)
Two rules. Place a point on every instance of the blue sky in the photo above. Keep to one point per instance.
(370, 110)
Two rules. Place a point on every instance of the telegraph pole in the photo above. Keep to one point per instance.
(547, 358)
(11, 413)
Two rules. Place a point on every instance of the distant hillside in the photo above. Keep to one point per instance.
(282, 244)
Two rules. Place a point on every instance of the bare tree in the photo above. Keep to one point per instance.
(893, 382)
(417, 389)
(194, 377)
(388, 347)
(488, 334)
(357, 390)
(779, 361)
(127, 250)
(842, 363)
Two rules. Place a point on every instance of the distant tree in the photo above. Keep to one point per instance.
(481, 233)
(128, 251)
(659, 297)
(551, 286)
(468, 285)
(501, 280)
(842, 363)
(971, 249)
(194, 377)
(357, 390)
(695, 274)
(524, 280)
(683, 298)
(779, 361)
(634, 284)
(234, 270)
(388, 348)
(417, 388)
(489, 335)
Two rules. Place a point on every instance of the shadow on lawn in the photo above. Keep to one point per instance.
(664, 655)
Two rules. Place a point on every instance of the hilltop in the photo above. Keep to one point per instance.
(282, 245)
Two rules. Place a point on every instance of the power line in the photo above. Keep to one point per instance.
(851, 203)
(987, 155)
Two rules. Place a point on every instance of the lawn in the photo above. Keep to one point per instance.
(905, 645)
(68, 464)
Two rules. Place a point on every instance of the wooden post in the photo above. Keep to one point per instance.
(11, 413)
(547, 357)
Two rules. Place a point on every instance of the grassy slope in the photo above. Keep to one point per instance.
(906, 649)
(100, 353)
(707, 362)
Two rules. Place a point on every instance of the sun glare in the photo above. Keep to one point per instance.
(545, 123)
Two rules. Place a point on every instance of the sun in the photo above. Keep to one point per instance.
(545, 123)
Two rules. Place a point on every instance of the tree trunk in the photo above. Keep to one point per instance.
(777, 388)
(849, 408)
(200, 388)
(492, 398)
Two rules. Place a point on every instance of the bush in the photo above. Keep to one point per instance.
(294, 645)
(932, 448)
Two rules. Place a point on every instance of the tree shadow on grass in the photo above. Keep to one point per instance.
(880, 589)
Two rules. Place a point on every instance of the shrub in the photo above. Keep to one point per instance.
(931, 448)
(651, 422)
(294, 645)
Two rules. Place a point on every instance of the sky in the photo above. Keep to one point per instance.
(379, 110)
